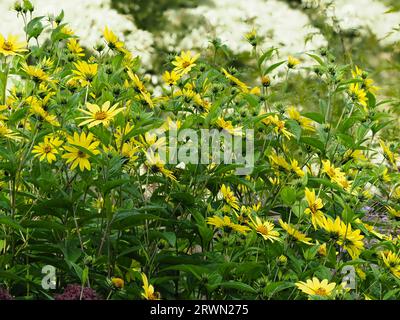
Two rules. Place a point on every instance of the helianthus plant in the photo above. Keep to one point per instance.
(84, 190)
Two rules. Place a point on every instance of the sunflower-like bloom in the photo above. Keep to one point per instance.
(113, 41)
(48, 149)
(5, 132)
(84, 72)
(185, 62)
(335, 174)
(228, 127)
(80, 150)
(391, 261)
(265, 229)
(156, 165)
(99, 115)
(35, 72)
(149, 293)
(229, 197)
(315, 287)
(227, 224)
(389, 154)
(280, 125)
(292, 62)
(358, 95)
(294, 164)
(393, 212)
(293, 232)
(74, 47)
(11, 46)
(304, 122)
(314, 206)
(367, 83)
(170, 78)
(351, 240)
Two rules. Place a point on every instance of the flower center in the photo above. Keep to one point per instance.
(47, 149)
(7, 45)
(262, 229)
(186, 64)
(321, 292)
(81, 154)
(101, 115)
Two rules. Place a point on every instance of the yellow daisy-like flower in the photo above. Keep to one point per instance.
(74, 47)
(294, 164)
(84, 72)
(304, 122)
(185, 62)
(156, 165)
(80, 150)
(393, 212)
(292, 62)
(113, 41)
(99, 115)
(389, 154)
(293, 232)
(11, 46)
(358, 95)
(391, 261)
(351, 241)
(265, 229)
(36, 73)
(48, 149)
(314, 206)
(149, 293)
(5, 132)
(170, 78)
(229, 197)
(315, 287)
(227, 224)
(228, 127)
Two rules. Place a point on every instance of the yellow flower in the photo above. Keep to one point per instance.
(84, 72)
(279, 125)
(35, 72)
(391, 261)
(113, 41)
(292, 62)
(265, 229)
(156, 165)
(359, 95)
(252, 37)
(367, 83)
(315, 287)
(304, 122)
(170, 78)
(185, 62)
(335, 174)
(351, 240)
(99, 115)
(322, 249)
(228, 127)
(118, 282)
(74, 47)
(393, 212)
(279, 161)
(229, 197)
(294, 164)
(11, 46)
(7, 133)
(227, 224)
(293, 232)
(77, 151)
(47, 149)
(314, 206)
(149, 293)
(389, 155)
(235, 80)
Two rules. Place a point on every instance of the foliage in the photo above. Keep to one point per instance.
(80, 192)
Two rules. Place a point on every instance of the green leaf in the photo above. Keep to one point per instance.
(236, 285)
(273, 67)
(288, 195)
